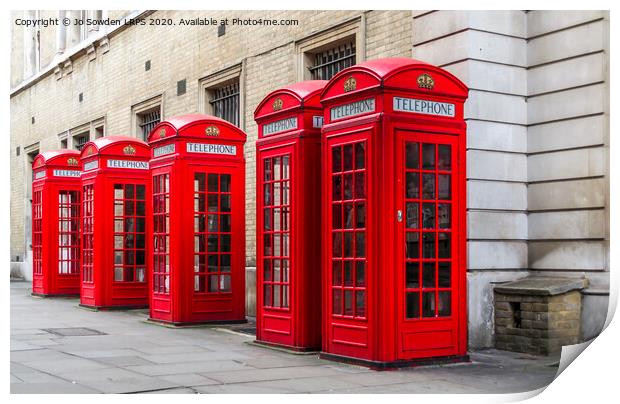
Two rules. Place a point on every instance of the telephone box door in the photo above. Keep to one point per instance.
(427, 231)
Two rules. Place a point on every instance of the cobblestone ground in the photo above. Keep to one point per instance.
(129, 355)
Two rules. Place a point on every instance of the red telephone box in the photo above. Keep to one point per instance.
(288, 150)
(394, 214)
(115, 189)
(198, 233)
(56, 193)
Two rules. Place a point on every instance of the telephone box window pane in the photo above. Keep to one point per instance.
(337, 273)
(225, 203)
(118, 274)
(268, 170)
(285, 270)
(348, 215)
(360, 213)
(225, 263)
(337, 159)
(212, 182)
(428, 304)
(140, 206)
(360, 273)
(129, 191)
(129, 275)
(285, 296)
(337, 301)
(428, 241)
(225, 243)
(428, 186)
(337, 188)
(348, 302)
(225, 224)
(337, 216)
(285, 167)
(211, 203)
(360, 304)
(360, 244)
(444, 245)
(444, 159)
(276, 244)
(118, 191)
(412, 155)
(412, 215)
(118, 241)
(267, 270)
(444, 275)
(141, 275)
(444, 186)
(212, 243)
(140, 192)
(428, 156)
(277, 173)
(444, 215)
(225, 283)
(268, 194)
(212, 223)
(412, 186)
(444, 304)
(412, 278)
(225, 183)
(348, 186)
(267, 223)
(267, 295)
(118, 209)
(412, 245)
(118, 257)
(348, 244)
(348, 273)
(337, 245)
(360, 185)
(428, 215)
(276, 271)
(348, 157)
(413, 304)
(267, 245)
(213, 283)
(199, 182)
(360, 155)
(428, 275)
(212, 263)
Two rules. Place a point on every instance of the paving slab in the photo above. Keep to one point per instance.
(138, 357)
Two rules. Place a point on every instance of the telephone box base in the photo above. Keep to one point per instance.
(59, 295)
(113, 308)
(378, 365)
(189, 324)
(286, 348)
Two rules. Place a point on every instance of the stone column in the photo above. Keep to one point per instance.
(30, 43)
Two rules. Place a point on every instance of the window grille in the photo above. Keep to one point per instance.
(80, 140)
(225, 102)
(148, 120)
(329, 62)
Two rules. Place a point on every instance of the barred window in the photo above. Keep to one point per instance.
(330, 61)
(147, 120)
(225, 102)
(80, 140)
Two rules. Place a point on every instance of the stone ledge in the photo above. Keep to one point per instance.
(542, 286)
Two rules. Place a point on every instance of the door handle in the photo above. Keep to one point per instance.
(399, 215)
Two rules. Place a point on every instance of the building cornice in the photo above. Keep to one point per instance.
(79, 50)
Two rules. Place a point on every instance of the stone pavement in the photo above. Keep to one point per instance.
(129, 355)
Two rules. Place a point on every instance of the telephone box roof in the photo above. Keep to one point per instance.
(55, 157)
(394, 73)
(106, 143)
(306, 93)
(193, 125)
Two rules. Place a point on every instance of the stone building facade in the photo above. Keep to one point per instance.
(537, 115)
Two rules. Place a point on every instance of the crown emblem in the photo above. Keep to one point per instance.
(426, 81)
(350, 84)
(212, 130)
(72, 161)
(89, 150)
(38, 163)
(162, 132)
(129, 149)
(277, 104)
